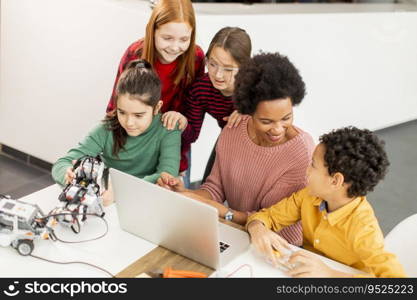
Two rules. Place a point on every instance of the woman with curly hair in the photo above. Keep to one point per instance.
(265, 158)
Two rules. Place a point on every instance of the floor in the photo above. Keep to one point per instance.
(393, 200)
(19, 179)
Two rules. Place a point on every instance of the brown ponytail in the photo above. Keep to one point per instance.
(141, 83)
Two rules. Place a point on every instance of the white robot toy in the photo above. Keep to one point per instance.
(82, 196)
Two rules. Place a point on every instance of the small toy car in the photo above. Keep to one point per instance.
(21, 223)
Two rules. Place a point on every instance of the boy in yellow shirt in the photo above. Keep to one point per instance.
(338, 221)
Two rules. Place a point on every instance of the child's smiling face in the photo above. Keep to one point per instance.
(319, 180)
(222, 69)
(172, 40)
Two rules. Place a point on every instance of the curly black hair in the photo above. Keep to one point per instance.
(359, 155)
(267, 76)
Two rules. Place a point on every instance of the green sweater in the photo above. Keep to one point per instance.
(145, 156)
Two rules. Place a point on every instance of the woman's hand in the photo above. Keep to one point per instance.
(267, 241)
(171, 118)
(221, 209)
(309, 265)
(171, 183)
(234, 119)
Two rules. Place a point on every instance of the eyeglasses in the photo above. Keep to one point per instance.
(213, 68)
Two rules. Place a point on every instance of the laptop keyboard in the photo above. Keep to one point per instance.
(223, 246)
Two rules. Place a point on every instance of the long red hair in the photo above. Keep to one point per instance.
(164, 12)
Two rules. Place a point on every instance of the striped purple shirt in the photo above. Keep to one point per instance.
(204, 98)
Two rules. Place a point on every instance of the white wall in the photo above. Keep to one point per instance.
(59, 58)
(360, 69)
(58, 63)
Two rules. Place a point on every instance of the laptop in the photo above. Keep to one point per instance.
(181, 224)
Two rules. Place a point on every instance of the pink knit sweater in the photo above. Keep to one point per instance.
(251, 177)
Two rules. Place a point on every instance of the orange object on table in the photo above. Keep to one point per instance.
(171, 273)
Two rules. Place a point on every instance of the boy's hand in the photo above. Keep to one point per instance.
(171, 183)
(234, 119)
(266, 241)
(170, 119)
(309, 265)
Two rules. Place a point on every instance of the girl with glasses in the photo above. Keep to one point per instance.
(212, 94)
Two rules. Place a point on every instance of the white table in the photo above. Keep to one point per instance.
(251, 263)
(113, 252)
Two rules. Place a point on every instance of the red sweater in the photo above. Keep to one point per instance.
(172, 95)
(252, 177)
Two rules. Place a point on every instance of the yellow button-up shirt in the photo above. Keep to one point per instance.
(350, 234)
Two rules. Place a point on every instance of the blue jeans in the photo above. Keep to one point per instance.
(186, 177)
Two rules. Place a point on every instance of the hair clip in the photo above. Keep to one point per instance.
(140, 63)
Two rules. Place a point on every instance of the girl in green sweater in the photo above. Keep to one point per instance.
(132, 137)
